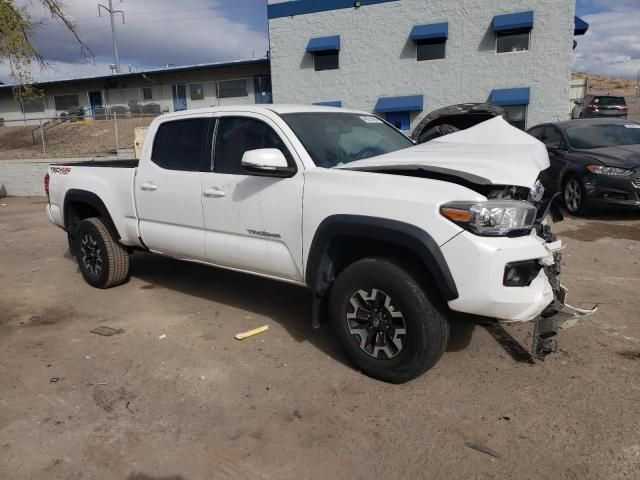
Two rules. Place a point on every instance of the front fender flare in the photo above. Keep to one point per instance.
(404, 235)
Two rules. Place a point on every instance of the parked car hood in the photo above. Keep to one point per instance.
(490, 153)
(621, 156)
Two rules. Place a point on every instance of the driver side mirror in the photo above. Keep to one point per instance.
(269, 162)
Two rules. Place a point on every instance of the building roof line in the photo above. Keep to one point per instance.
(154, 71)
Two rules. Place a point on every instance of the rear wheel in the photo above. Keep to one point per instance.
(103, 262)
(385, 321)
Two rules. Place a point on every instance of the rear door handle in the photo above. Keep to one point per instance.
(149, 186)
(213, 192)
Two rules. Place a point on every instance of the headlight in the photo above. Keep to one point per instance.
(492, 218)
(602, 170)
(537, 192)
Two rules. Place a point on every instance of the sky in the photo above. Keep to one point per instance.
(161, 32)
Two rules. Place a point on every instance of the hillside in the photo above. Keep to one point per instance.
(612, 85)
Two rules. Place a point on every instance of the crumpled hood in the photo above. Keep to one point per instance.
(492, 152)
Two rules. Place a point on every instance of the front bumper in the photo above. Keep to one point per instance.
(613, 190)
(478, 265)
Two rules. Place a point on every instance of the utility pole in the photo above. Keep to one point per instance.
(112, 12)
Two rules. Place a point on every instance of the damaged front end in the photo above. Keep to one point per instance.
(547, 323)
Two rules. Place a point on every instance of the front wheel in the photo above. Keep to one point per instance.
(385, 321)
(574, 196)
(102, 260)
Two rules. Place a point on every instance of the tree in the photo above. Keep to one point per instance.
(17, 48)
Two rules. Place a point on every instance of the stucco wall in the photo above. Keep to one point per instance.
(377, 58)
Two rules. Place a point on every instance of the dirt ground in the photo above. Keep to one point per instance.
(175, 396)
(87, 138)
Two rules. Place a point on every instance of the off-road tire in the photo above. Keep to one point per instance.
(427, 329)
(113, 258)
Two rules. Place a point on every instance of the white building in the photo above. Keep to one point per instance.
(148, 92)
(405, 58)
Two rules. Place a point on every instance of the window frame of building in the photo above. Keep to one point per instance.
(433, 49)
(510, 34)
(233, 92)
(75, 106)
(200, 147)
(147, 93)
(34, 105)
(196, 91)
(329, 60)
(521, 124)
(234, 167)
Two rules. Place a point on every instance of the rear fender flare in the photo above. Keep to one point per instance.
(91, 199)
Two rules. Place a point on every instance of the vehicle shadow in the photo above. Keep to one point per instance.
(288, 305)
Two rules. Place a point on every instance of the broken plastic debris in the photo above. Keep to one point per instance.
(251, 333)
(106, 331)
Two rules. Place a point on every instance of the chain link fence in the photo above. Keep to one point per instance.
(106, 135)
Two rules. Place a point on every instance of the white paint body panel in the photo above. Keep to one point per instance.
(265, 225)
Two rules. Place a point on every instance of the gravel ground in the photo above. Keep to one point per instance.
(175, 396)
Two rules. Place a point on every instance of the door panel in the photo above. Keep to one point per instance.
(168, 189)
(257, 224)
(179, 97)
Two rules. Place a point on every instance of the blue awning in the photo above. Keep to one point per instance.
(513, 21)
(510, 96)
(324, 44)
(335, 103)
(434, 31)
(411, 103)
(580, 26)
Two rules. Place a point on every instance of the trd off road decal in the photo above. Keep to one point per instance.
(61, 170)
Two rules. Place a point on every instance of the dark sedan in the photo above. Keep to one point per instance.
(593, 162)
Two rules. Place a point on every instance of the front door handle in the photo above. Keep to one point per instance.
(214, 192)
(149, 186)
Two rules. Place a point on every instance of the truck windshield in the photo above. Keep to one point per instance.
(604, 135)
(333, 139)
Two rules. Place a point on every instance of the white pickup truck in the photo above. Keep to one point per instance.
(390, 236)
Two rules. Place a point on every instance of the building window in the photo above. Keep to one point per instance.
(325, 51)
(197, 91)
(400, 120)
(147, 93)
(516, 115)
(430, 40)
(66, 102)
(431, 49)
(514, 101)
(326, 61)
(512, 42)
(232, 88)
(513, 31)
(32, 105)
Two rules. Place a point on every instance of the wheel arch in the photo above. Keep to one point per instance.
(337, 233)
(81, 204)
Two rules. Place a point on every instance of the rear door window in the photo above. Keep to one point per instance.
(551, 137)
(181, 144)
